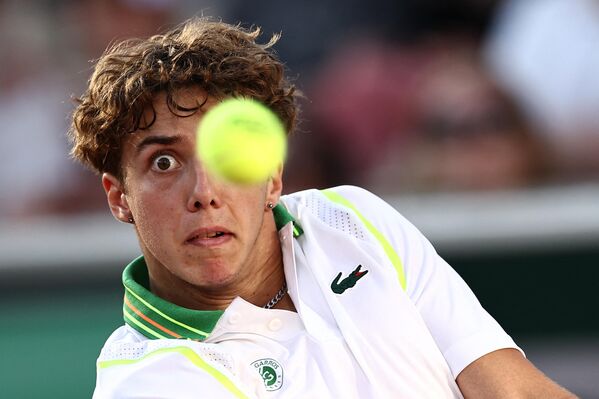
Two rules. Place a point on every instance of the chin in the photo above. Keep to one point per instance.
(212, 273)
(218, 278)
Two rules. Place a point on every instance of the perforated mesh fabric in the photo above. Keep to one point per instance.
(132, 351)
(125, 351)
(217, 357)
(335, 215)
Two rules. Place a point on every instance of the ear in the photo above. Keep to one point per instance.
(275, 186)
(117, 201)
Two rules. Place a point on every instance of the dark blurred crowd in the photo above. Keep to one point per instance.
(400, 95)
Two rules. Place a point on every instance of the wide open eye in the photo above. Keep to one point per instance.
(164, 163)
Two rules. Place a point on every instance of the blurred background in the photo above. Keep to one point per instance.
(477, 119)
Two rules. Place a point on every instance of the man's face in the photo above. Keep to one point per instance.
(193, 227)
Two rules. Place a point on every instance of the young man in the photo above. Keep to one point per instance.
(244, 293)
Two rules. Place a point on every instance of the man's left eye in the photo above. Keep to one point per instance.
(164, 163)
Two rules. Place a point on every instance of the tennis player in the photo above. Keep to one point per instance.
(241, 292)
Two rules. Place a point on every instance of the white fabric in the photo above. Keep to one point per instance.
(375, 340)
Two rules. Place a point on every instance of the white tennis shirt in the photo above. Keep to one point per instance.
(379, 315)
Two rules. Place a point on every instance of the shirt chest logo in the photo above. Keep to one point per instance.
(271, 372)
(339, 287)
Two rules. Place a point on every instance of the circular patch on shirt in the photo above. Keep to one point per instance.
(271, 372)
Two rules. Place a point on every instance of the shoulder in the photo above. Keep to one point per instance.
(352, 192)
(361, 202)
(354, 209)
(119, 344)
(124, 334)
(129, 366)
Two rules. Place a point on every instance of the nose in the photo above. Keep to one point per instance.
(204, 192)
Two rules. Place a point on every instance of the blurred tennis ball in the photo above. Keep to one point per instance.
(241, 140)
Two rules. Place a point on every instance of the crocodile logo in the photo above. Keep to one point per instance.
(339, 287)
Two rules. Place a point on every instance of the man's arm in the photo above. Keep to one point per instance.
(505, 373)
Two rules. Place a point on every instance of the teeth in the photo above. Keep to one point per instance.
(215, 234)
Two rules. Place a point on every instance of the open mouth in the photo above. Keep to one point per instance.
(214, 234)
(206, 235)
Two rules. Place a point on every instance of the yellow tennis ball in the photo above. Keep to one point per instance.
(242, 141)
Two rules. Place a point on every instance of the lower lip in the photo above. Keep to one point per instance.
(211, 242)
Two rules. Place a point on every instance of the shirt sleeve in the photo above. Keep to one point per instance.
(462, 329)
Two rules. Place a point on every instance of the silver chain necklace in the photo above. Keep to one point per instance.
(277, 297)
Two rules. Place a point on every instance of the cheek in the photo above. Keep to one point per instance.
(251, 209)
(155, 220)
(156, 202)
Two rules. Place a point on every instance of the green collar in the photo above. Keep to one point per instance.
(156, 318)
(282, 217)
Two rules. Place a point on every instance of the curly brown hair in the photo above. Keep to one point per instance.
(222, 59)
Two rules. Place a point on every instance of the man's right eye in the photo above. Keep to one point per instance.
(164, 163)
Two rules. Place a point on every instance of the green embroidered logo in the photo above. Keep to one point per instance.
(271, 372)
(348, 282)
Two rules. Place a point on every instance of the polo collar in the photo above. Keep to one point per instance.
(156, 318)
(282, 217)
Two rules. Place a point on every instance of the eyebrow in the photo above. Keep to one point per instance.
(151, 140)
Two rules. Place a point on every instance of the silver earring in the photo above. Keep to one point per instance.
(130, 220)
(270, 205)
